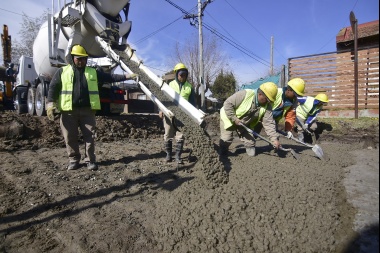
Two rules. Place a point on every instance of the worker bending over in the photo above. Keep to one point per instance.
(307, 111)
(248, 107)
(286, 103)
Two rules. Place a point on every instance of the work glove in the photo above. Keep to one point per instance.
(289, 135)
(132, 76)
(161, 114)
(50, 110)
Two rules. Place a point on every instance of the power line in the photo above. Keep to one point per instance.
(208, 14)
(223, 37)
(254, 28)
(12, 12)
(334, 37)
(157, 31)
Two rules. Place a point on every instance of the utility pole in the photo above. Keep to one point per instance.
(201, 8)
(271, 56)
(201, 74)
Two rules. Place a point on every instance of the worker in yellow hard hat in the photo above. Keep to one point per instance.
(181, 86)
(248, 107)
(74, 91)
(286, 103)
(307, 110)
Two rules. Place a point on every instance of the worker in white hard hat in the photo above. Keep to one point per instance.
(286, 103)
(307, 112)
(74, 91)
(248, 107)
(181, 86)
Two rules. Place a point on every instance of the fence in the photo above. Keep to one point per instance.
(333, 73)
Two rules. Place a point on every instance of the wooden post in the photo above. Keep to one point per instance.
(354, 26)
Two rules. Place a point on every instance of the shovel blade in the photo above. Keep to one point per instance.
(318, 151)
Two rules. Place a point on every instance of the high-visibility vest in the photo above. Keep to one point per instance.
(243, 108)
(185, 92)
(303, 111)
(65, 102)
(279, 102)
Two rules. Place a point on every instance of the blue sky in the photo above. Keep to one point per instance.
(298, 27)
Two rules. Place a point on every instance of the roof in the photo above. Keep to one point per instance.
(256, 84)
(364, 30)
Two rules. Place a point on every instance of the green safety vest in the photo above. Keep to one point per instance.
(185, 91)
(243, 108)
(65, 102)
(304, 110)
(278, 102)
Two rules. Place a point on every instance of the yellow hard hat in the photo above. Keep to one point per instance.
(298, 85)
(322, 97)
(78, 50)
(179, 66)
(270, 90)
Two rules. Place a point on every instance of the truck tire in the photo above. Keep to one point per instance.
(19, 100)
(40, 101)
(31, 101)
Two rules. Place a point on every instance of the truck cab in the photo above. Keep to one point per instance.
(24, 79)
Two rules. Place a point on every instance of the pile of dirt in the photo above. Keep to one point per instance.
(136, 202)
(21, 132)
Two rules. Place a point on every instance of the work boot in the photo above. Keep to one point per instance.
(178, 152)
(92, 166)
(168, 150)
(73, 166)
(251, 151)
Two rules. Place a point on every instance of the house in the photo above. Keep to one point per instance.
(368, 36)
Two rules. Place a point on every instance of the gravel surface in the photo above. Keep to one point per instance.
(136, 202)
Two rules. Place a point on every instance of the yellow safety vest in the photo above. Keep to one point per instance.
(65, 102)
(185, 91)
(243, 108)
(278, 102)
(304, 110)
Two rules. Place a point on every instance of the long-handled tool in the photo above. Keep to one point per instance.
(294, 154)
(316, 148)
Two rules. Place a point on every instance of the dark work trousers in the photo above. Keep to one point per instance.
(71, 121)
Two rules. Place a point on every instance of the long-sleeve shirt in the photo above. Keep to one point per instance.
(311, 117)
(290, 114)
(81, 96)
(234, 101)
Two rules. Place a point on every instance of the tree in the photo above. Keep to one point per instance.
(224, 86)
(28, 33)
(213, 59)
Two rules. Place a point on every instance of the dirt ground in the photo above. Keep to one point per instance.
(136, 202)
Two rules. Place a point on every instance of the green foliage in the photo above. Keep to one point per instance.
(224, 86)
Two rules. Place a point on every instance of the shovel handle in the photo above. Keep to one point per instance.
(295, 139)
(254, 133)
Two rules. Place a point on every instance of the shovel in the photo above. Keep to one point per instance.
(294, 154)
(316, 148)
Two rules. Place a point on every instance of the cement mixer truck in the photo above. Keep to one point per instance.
(102, 27)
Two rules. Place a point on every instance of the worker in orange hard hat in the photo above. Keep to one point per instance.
(307, 111)
(248, 107)
(286, 103)
(181, 86)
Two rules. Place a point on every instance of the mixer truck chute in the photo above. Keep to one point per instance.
(102, 27)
